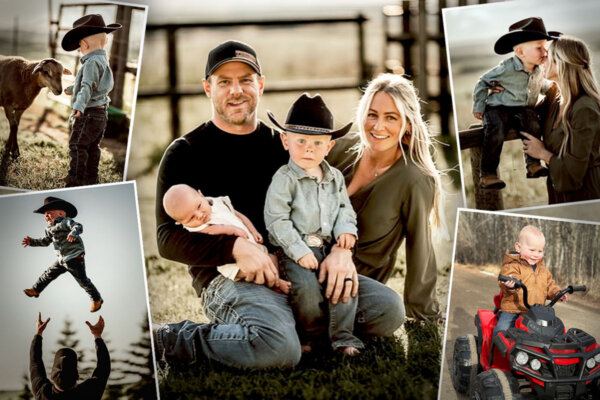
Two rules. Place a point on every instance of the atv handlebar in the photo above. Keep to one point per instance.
(569, 290)
(519, 284)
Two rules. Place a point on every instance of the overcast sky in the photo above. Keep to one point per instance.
(113, 260)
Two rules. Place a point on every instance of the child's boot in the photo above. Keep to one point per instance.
(96, 305)
(491, 182)
(31, 292)
(536, 170)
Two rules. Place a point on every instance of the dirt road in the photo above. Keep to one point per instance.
(473, 290)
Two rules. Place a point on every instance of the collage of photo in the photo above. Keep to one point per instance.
(301, 200)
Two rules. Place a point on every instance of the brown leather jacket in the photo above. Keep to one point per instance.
(540, 285)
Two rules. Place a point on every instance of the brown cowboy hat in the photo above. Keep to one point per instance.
(83, 27)
(310, 116)
(526, 30)
(54, 203)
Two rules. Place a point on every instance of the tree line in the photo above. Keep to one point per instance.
(571, 253)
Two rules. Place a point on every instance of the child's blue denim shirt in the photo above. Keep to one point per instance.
(93, 82)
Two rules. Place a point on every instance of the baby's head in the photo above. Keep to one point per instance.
(531, 244)
(534, 52)
(187, 206)
(308, 130)
(51, 215)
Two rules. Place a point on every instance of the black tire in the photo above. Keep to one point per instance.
(465, 362)
(495, 384)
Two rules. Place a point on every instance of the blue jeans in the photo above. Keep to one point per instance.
(505, 320)
(251, 326)
(309, 305)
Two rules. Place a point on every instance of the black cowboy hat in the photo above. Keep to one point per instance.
(526, 30)
(54, 203)
(64, 371)
(83, 27)
(310, 116)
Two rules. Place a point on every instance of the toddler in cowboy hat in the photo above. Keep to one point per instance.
(520, 81)
(213, 216)
(64, 233)
(307, 210)
(90, 99)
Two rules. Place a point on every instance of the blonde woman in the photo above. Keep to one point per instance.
(571, 132)
(394, 188)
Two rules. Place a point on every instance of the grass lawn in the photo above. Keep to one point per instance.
(404, 367)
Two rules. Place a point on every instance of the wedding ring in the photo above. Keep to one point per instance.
(348, 280)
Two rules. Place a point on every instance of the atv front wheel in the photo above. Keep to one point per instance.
(495, 384)
(465, 363)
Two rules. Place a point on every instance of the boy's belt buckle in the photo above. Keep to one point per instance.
(314, 241)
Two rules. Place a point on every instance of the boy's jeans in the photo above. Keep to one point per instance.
(497, 120)
(311, 308)
(252, 326)
(76, 267)
(84, 145)
(505, 320)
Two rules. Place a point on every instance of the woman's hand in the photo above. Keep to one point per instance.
(340, 272)
(535, 148)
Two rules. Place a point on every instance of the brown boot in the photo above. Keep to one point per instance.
(491, 182)
(31, 292)
(70, 182)
(96, 305)
(536, 170)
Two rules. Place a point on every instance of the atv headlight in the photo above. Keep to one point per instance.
(597, 358)
(535, 364)
(590, 363)
(521, 358)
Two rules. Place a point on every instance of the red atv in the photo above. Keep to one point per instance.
(535, 359)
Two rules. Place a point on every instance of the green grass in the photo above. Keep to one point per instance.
(406, 366)
(44, 162)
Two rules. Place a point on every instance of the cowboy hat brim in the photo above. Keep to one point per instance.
(58, 204)
(309, 130)
(71, 39)
(505, 44)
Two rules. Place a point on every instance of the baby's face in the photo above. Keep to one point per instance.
(307, 151)
(51, 215)
(531, 248)
(533, 52)
(195, 210)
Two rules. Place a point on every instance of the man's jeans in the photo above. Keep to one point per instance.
(505, 320)
(84, 145)
(252, 326)
(76, 267)
(311, 308)
(497, 120)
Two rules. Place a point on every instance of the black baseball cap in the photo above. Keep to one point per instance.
(231, 50)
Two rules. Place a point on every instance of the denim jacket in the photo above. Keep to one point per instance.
(520, 87)
(57, 234)
(93, 82)
(297, 206)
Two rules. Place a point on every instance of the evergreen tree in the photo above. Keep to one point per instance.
(26, 392)
(140, 363)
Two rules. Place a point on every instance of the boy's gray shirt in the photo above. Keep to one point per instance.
(297, 206)
(520, 87)
(93, 82)
(57, 234)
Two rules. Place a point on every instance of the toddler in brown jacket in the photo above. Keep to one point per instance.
(526, 264)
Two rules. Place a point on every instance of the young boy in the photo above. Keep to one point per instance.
(525, 264)
(213, 216)
(64, 233)
(307, 208)
(90, 100)
(522, 81)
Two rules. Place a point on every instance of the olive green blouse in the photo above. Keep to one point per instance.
(575, 175)
(393, 207)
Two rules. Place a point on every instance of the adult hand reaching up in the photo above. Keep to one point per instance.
(96, 329)
(41, 325)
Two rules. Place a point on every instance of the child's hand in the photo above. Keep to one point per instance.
(282, 286)
(346, 241)
(309, 261)
(478, 115)
(71, 238)
(565, 298)
(26, 241)
(257, 236)
(76, 114)
(509, 284)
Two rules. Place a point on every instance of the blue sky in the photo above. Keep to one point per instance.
(114, 263)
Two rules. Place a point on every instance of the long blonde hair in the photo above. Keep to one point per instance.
(420, 146)
(575, 78)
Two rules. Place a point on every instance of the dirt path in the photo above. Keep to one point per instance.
(473, 290)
